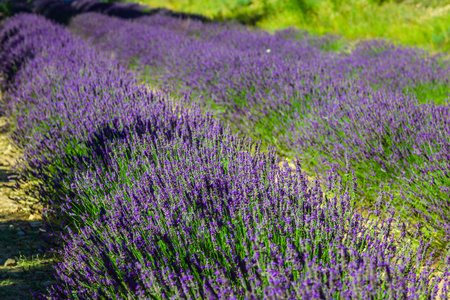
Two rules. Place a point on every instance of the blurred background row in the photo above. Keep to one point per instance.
(423, 23)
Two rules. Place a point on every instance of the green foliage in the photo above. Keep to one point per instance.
(306, 7)
(10, 7)
(426, 93)
(251, 16)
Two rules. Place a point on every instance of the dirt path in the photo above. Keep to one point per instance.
(23, 264)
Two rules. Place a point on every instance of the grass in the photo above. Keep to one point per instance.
(420, 23)
(427, 93)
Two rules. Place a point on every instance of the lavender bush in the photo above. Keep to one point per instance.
(379, 112)
(184, 211)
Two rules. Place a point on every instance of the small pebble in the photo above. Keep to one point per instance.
(10, 263)
(35, 224)
(11, 226)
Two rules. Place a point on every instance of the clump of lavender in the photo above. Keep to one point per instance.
(183, 210)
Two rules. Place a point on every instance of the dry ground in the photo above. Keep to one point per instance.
(23, 264)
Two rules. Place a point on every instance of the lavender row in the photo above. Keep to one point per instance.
(63, 11)
(165, 202)
(378, 112)
(370, 63)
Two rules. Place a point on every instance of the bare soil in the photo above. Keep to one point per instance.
(24, 265)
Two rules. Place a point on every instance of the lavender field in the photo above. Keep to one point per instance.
(185, 191)
(377, 115)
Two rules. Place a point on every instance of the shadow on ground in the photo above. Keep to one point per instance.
(6, 175)
(25, 265)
